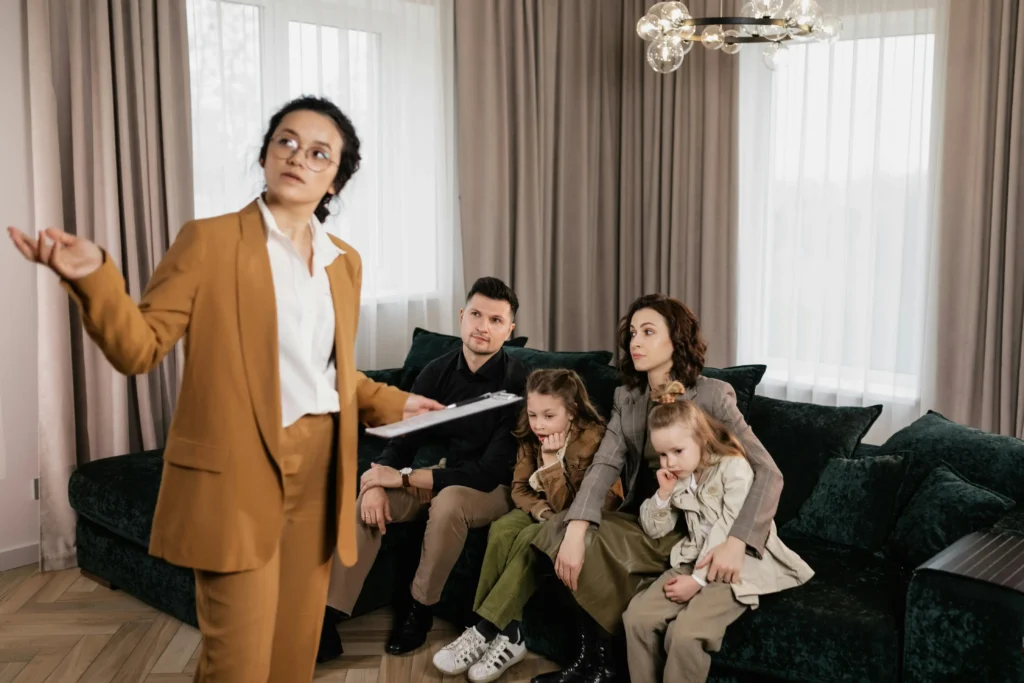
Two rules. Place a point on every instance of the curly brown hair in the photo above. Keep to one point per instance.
(688, 347)
(566, 385)
(716, 442)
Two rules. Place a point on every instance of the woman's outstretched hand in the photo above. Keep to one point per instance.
(69, 256)
(417, 405)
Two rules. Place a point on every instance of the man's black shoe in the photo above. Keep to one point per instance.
(411, 632)
(330, 642)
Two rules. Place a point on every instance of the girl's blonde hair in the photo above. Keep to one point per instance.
(715, 441)
(566, 385)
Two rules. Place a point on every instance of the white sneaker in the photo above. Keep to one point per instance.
(501, 655)
(456, 657)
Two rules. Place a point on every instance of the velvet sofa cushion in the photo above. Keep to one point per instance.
(428, 346)
(129, 567)
(959, 629)
(119, 493)
(853, 503)
(1011, 523)
(842, 625)
(802, 438)
(602, 379)
(990, 460)
(945, 508)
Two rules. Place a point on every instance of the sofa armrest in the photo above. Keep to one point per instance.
(965, 610)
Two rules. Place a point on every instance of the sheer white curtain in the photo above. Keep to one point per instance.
(839, 168)
(388, 64)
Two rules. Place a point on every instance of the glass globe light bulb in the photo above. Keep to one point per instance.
(830, 29)
(731, 48)
(776, 56)
(664, 56)
(673, 12)
(679, 36)
(713, 37)
(749, 12)
(803, 15)
(766, 8)
(649, 27)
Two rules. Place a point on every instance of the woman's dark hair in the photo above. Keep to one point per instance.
(688, 347)
(348, 164)
(566, 385)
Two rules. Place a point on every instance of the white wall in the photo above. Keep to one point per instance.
(19, 512)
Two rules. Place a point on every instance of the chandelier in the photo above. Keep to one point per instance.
(671, 31)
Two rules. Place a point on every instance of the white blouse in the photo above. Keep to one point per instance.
(305, 321)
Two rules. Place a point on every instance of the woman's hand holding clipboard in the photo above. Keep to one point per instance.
(454, 411)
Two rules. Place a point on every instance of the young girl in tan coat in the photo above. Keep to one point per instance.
(559, 432)
(704, 477)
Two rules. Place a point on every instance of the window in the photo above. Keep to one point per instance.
(837, 193)
(382, 63)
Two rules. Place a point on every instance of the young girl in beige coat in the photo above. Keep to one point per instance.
(704, 477)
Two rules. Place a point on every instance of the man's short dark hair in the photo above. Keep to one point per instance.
(493, 288)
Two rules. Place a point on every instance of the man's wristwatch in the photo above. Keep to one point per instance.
(405, 472)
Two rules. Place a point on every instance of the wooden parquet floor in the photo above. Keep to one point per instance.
(61, 627)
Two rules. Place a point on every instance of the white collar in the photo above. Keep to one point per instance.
(693, 483)
(322, 243)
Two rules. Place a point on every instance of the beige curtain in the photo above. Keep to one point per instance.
(980, 379)
(111, 155)
(586, 178)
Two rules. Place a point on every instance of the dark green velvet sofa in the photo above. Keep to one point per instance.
(860, 515)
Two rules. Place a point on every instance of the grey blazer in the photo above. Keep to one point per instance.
(622, 449)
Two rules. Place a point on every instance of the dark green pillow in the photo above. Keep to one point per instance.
(802, 438)
(945, 508)
(601, 381)
(853, 503)
(535, 359)
(993, 461)
(428, 346)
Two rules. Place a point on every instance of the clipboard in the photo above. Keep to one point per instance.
(472, 406)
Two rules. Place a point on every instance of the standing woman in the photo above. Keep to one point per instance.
(259, 476)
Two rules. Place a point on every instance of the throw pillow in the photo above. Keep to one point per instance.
(802, 438)
(535, 359)
(428, 346)
(601, 381)
(853, 503)
(991, 460)
(944, 509)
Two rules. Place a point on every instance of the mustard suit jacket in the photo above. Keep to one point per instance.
(220, 506)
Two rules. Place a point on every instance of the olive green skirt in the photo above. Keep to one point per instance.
(620, 560)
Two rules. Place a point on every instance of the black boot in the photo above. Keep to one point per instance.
(604, 659)
(581, 662)
(330, 642)
(411, 632)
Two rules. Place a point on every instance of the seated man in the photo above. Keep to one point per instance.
(471, 490)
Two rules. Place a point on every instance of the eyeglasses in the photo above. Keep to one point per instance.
(316, 159)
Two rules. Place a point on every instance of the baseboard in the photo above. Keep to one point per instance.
(19, 557)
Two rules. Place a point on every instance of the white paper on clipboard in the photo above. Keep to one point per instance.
(483, 403)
